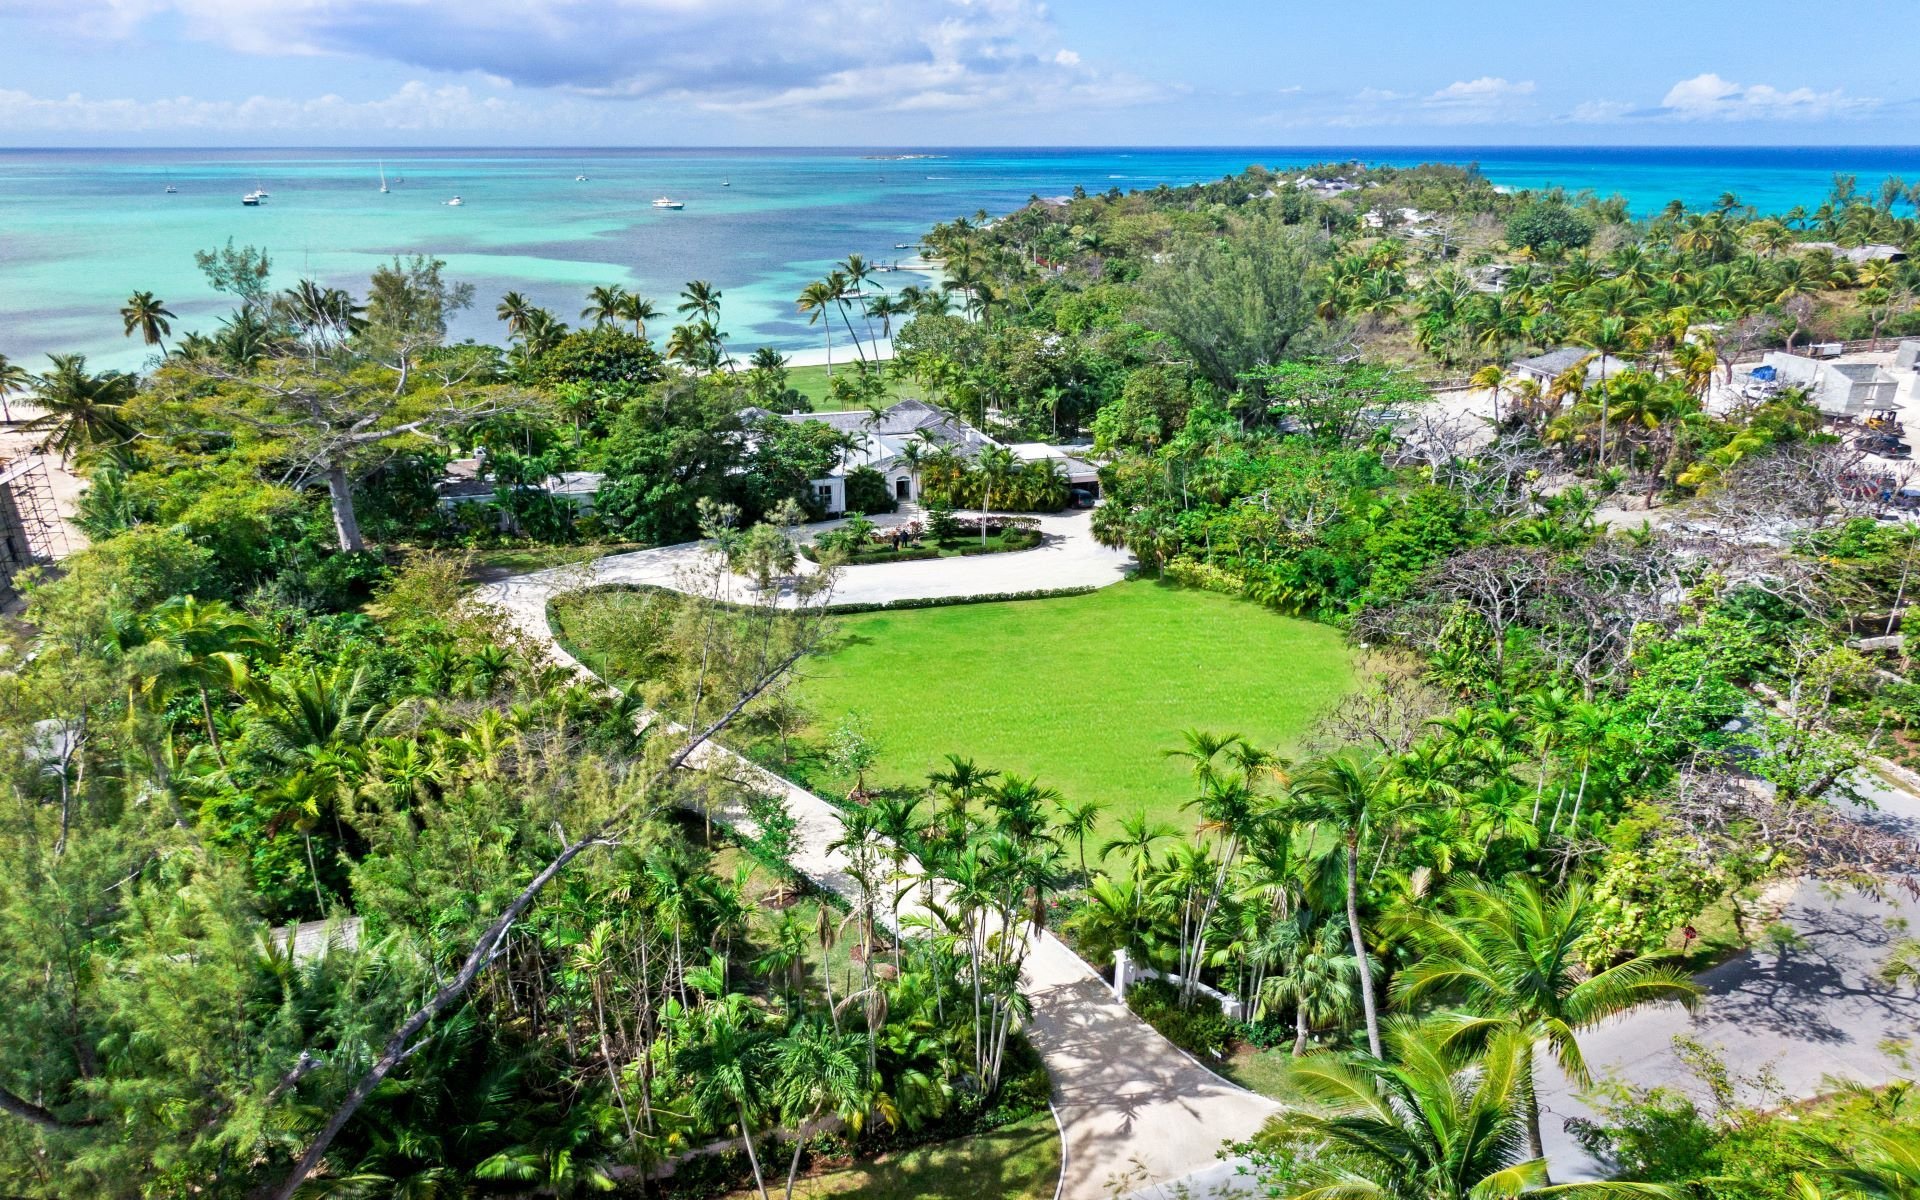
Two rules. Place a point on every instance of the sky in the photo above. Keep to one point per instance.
(902, 73)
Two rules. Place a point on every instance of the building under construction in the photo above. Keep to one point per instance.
(30, 528)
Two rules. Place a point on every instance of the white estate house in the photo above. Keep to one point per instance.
(881, 440)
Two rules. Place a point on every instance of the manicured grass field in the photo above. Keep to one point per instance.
(1083, 691)
(811, 382)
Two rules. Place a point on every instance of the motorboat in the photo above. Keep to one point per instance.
(456, 202)
(663, 202)
(579, 178)
(253, 199)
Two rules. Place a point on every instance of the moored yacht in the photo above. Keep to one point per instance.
(664, 202)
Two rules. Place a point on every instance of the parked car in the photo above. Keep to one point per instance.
(1884, 446)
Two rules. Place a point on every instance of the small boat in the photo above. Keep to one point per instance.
(663, 202)
(903, 245)
(262, 192)
(383, 179)
(579, 178)
(252, 199)
(726, 183)
(171, 189)
(456, 202)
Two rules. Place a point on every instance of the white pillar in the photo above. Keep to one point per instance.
(1122, 974)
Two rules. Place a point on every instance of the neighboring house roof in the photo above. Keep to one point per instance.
(1557, 362)
(313, 939)
(1871, 252)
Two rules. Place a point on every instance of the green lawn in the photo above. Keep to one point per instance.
(811, 382)
(1083, 691)
(1019, 1161)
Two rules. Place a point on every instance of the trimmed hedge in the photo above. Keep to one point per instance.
(1202, 1031)
(945, 601)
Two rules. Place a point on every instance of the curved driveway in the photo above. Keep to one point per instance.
(1134, 1109)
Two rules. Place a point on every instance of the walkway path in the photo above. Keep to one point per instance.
(1130, 1103)
(1804, 1015)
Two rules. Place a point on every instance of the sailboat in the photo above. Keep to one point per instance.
(383, 179)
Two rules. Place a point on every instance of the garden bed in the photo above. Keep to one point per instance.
(864, 545)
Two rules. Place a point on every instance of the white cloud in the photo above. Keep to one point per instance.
(1485, 90)
(726, 55)
(1599, 112)
(1708, 97)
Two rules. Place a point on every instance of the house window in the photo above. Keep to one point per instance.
(823, 492)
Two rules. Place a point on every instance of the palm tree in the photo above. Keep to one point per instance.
(80, 411)
(961, 781)
(638, 309)
(1356, 796)
(603, 305)
(211, 640)
(1314, 973)
(1511, 953)
(996, 466)
(856, 271)
(1432, 1122)
(514, 309)
(816, 300)
(13, 381)
(819, 1072)
(1609, 336)
(1884, 1166)
(1491, 378)
(147, 313)
(541, 332)
(1077, 819)
(699, 299)
(730, 1066)
(1137, 837)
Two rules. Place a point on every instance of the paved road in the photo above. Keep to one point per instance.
(1805, 1015)
(1131, 1104)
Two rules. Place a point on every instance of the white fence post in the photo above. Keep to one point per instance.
(1122, 974)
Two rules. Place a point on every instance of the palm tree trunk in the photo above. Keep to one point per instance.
(746, 1139)
(213, 735)
(1536, 1145)
(793, 1168)
(1300, 1027)
(1360, 947)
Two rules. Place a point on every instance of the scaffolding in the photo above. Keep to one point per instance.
(31, 532)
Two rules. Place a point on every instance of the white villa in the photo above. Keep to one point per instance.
(881, 441)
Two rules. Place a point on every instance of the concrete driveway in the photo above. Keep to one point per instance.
(1068, 557)
(1806, 1016)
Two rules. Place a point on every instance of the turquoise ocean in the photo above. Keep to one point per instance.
(80, 229)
